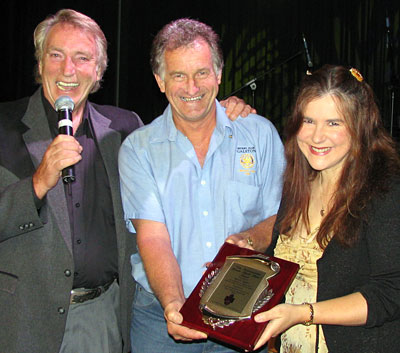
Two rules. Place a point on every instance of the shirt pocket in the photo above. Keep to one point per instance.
(244, 206)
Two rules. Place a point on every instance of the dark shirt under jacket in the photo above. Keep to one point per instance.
(90, 210)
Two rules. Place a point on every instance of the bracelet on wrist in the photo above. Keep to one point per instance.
(311, 319)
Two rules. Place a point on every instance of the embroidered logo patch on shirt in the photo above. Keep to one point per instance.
(247, 159)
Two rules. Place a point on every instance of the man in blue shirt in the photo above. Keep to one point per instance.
(191, 180)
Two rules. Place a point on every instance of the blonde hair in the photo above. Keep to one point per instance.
(78, 20)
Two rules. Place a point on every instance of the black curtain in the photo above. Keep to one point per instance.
(262, 42)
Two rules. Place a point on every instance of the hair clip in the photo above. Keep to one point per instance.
(356, 74)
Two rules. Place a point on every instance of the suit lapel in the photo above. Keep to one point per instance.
(37, 138)
(109, 142)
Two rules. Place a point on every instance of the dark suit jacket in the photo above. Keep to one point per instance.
(35, 248)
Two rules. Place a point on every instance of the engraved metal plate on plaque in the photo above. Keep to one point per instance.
(236, 290)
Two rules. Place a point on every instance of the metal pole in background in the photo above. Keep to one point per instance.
(118, 52)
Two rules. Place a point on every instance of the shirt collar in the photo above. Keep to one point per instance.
(168, 130)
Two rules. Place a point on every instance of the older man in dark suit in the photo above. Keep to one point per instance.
(65, 280)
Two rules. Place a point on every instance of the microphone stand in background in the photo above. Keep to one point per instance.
(252, 83)
(392, 80)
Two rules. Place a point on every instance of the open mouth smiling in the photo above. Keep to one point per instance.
(192, 99)
(66, 85)
(320, 150)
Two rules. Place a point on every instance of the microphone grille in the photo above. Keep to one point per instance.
(64, 102)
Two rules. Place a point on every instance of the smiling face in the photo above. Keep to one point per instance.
(324, 138)
(69, 65)
(190, 82)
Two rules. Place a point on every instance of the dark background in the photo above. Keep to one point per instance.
(261, 39)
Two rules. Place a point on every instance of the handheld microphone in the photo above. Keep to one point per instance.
(64, 106)
(309, 62)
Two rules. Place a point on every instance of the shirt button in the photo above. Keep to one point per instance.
(61, 310)
(205, 213)
(67, 273)
(79, 241)
(203, 182)
(208, 244)
(77, 204)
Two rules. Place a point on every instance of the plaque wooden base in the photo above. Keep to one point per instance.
(242, 333)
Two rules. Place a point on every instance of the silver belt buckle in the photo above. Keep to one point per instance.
(78, 293)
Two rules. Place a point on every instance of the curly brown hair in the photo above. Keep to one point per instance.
(372, 160)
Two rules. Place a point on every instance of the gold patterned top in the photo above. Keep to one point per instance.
(305, 251)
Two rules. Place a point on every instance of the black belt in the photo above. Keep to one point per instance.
(80, 295)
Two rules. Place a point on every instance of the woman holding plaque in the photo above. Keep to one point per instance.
(340, 221)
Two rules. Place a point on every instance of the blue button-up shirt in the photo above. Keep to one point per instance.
(238, 186)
